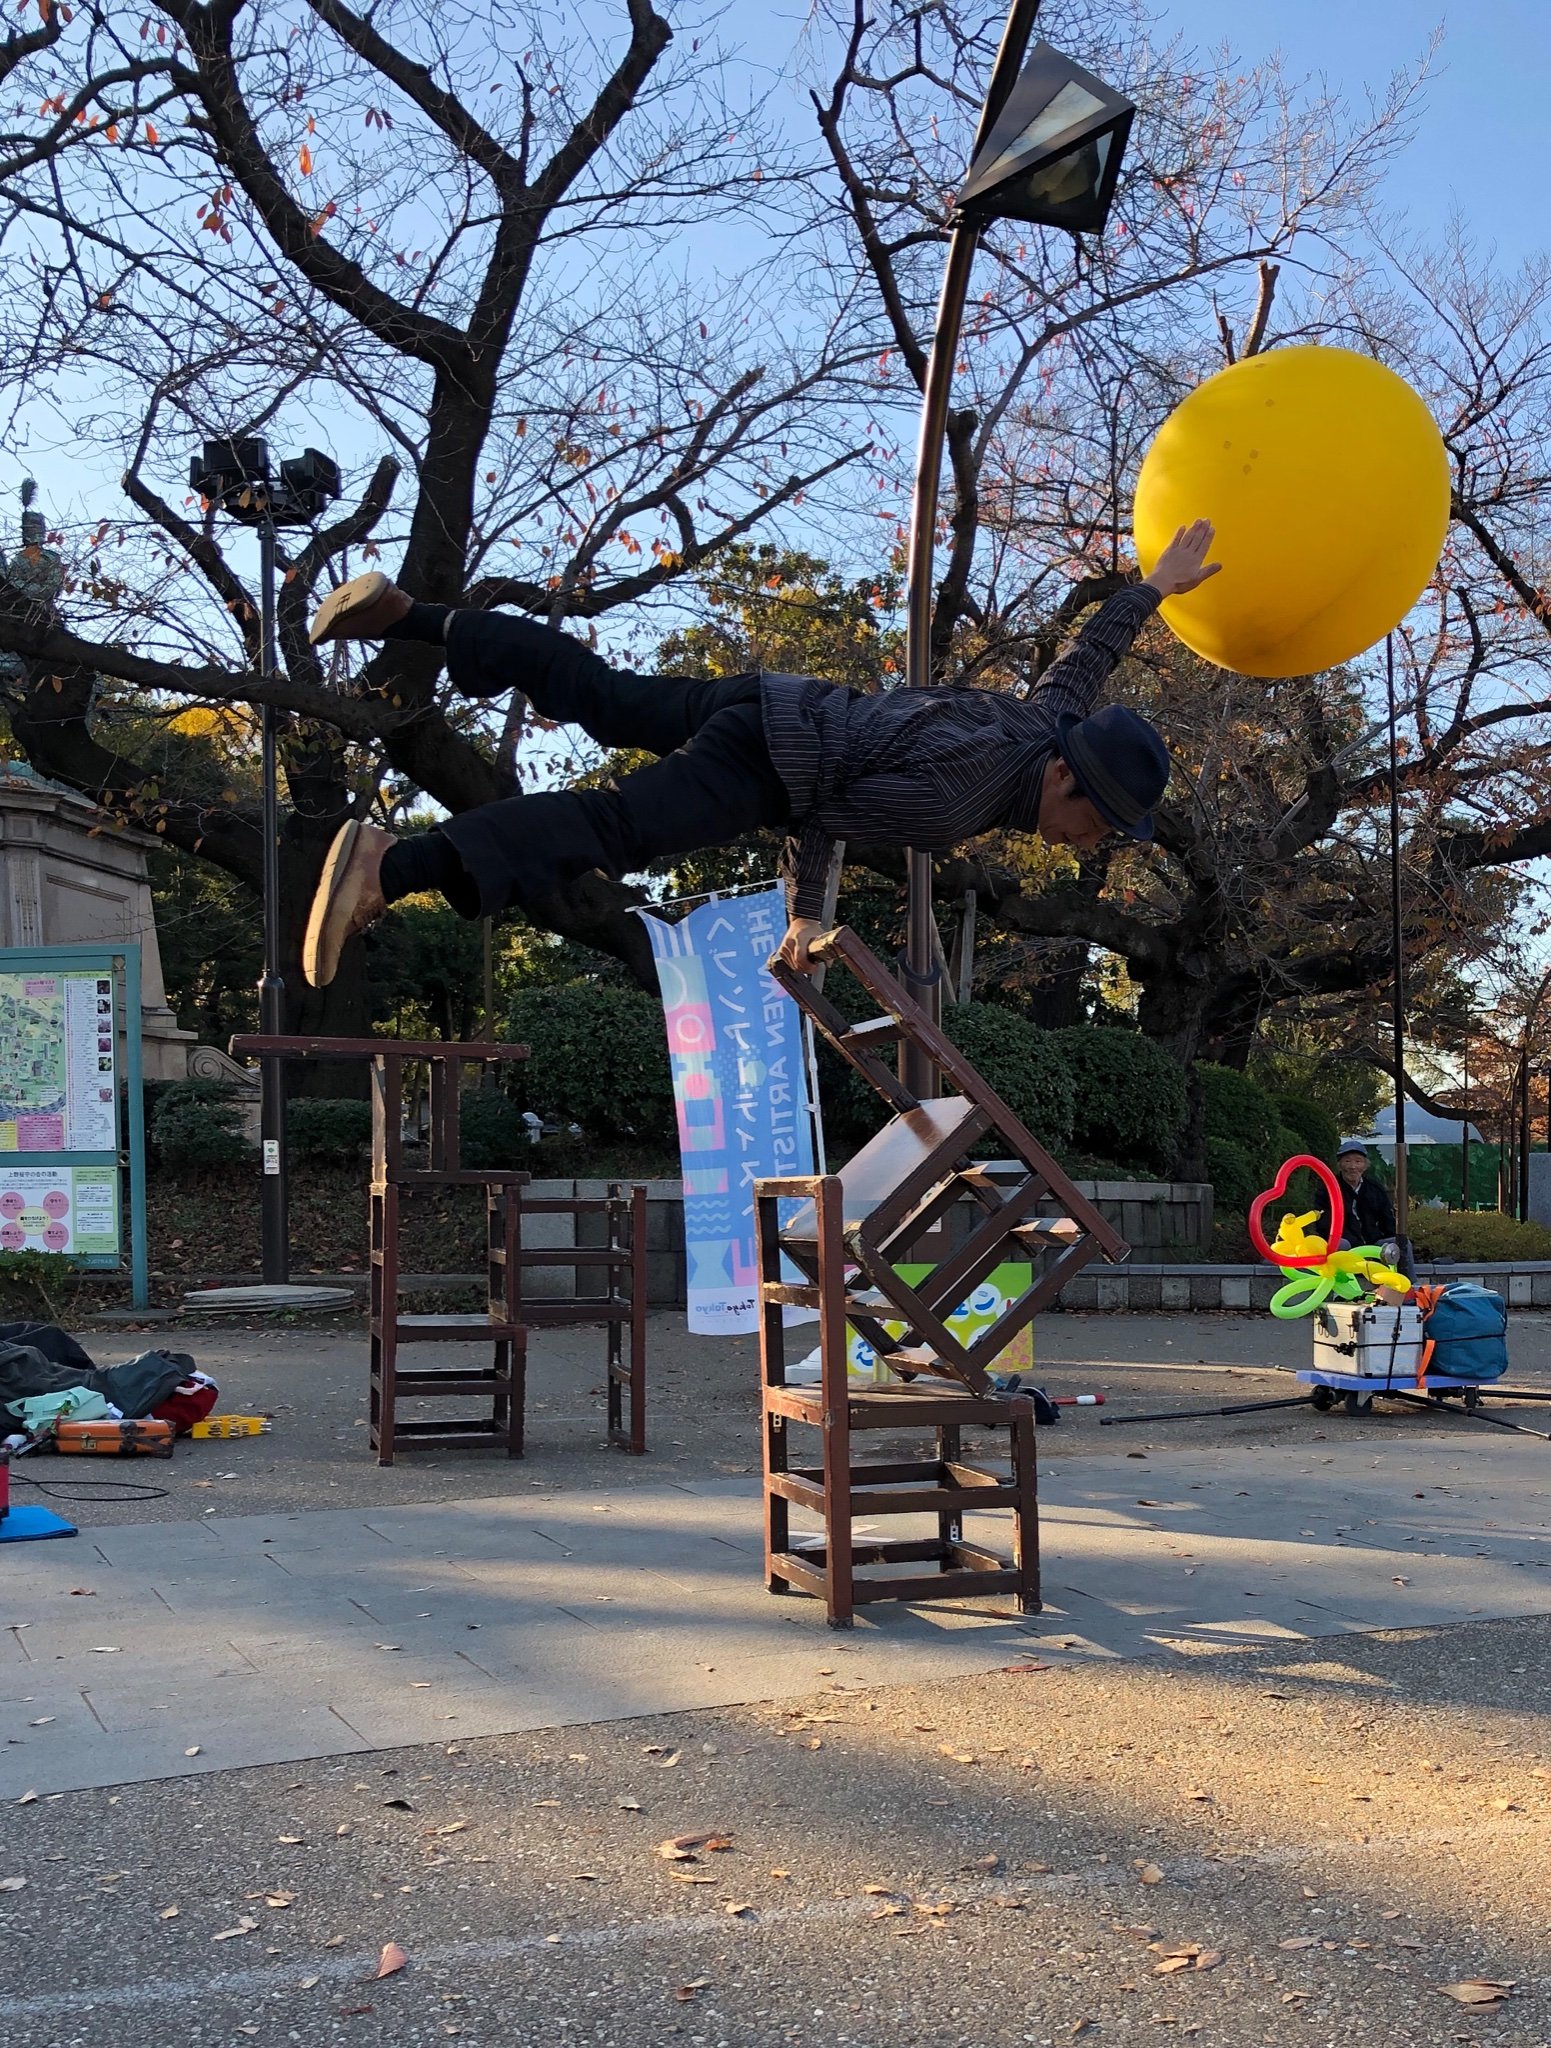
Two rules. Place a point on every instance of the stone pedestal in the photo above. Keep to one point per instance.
(62, 886)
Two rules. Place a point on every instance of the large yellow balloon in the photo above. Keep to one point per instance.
(1328, 484)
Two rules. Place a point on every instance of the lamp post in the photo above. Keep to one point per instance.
(1398, 959)
(1047, 150)
(235, 476)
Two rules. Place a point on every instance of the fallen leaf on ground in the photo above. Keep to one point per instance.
(105, 1649)
(42, 1721)
(691, 1877)
(628, 1805)
(1170, 1964)
(666, 1763)
(192, 1750)
(13, 1884)
(1300, 1941)
(244, 1926)
(1036, 1667)
(737, 1907)
(686, 1992)
(1506, 1806)
(958, 1756)
(168, 1913)
(291, 1841)
(890, 1909)
(1196, 1793)
(307, 1983)
(1150, 1874)
(1479, 1990)
(451, 1827)
(1209, 1958)
(585, 1877)
(392, 1959)
(27, 1799)
(279, 1899)
(402, 1804)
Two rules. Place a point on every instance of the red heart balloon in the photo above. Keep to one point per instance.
(1279, 1187)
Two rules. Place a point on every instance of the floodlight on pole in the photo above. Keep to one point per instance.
(234, 475)
(1048, 151)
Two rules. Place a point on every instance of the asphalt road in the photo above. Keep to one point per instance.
(1313, 1841)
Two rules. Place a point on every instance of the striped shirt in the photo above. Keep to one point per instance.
(928, 768)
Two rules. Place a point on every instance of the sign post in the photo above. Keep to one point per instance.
(63, 1140)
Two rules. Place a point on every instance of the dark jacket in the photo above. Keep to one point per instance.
(929, 768)
(1368, 1213)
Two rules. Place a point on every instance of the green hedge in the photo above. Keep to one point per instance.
(324, 1130)
(196, 1123)
(1128, 1095)
(1313, 1127)
(1021, 1062)
(1476, 1234)
(598, 1057)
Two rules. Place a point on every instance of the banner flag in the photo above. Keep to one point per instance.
(740, 1084)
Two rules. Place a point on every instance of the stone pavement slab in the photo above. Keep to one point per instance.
(158, 1650)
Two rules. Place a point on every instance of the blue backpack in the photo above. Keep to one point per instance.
(1467, 1325)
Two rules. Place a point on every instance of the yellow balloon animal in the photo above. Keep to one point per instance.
(1344, 1274)
(1328, 484)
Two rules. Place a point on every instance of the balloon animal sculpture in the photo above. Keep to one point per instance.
(1312, 1270)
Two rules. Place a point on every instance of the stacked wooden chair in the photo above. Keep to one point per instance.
(491, 1393)
(846, 1241)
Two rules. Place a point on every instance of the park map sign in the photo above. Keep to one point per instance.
(57, 1094)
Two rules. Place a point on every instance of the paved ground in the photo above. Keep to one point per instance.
(1269, 1717)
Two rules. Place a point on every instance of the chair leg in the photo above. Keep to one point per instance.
(950, 1526)
(385, 1204)
(772, 1373)
(638, 1320)
(839, 1591)
(1025, 1514)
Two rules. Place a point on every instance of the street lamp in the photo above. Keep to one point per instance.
(235, 476)
(1048, 151)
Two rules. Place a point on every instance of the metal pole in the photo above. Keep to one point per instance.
(1464, 1141)
(919, 963)
(271, 990)
(1398, 964)
(1525, 1133)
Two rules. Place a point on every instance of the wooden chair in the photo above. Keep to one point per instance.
(620, 1259)
(918, 1168)
(851, 1232)
(499, 1385)
(841, 1569)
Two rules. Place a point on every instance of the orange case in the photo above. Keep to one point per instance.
(149, 1439)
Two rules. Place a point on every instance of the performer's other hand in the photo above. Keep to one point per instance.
(1183, 565)
(793, 949)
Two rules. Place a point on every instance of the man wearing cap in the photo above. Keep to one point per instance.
(920, 768)
(1368, 1214)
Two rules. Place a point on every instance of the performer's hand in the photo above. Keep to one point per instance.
(793, 949)
(1183, 565)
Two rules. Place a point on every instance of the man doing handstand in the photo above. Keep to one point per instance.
(918, 768)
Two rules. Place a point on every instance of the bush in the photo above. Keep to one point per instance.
(491, 1131)
(1021, 1062)
(1476, 1234)
(1235, 1109)
(1129, 1095)
(1235, 1182)
(598, 1057)
(326, 1131)
(1313, 1128)
(195, 1123)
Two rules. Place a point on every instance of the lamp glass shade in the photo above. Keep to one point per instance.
(1053, 153)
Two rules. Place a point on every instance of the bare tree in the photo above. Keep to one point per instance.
(452, 243)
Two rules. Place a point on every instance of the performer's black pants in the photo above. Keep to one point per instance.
(714, 781)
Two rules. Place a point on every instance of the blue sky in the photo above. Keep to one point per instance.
(1482, 142)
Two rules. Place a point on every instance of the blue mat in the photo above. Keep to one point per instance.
(32, 1525)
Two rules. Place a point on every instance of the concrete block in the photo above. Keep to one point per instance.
(1080, 1292)
(1205, 1290)
(1174, 1290)
(1111, 1290)
(1540, 1288)
(1146, 1290)
(665, 1287)
(1520, 1293)
(1235, 1292)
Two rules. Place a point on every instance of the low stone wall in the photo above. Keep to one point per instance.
(1157, 1218)
(1139, 1285)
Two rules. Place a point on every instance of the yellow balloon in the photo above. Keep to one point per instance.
(1328, 483)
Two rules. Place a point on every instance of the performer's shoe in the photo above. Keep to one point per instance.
(362, 609)
(349, 897)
